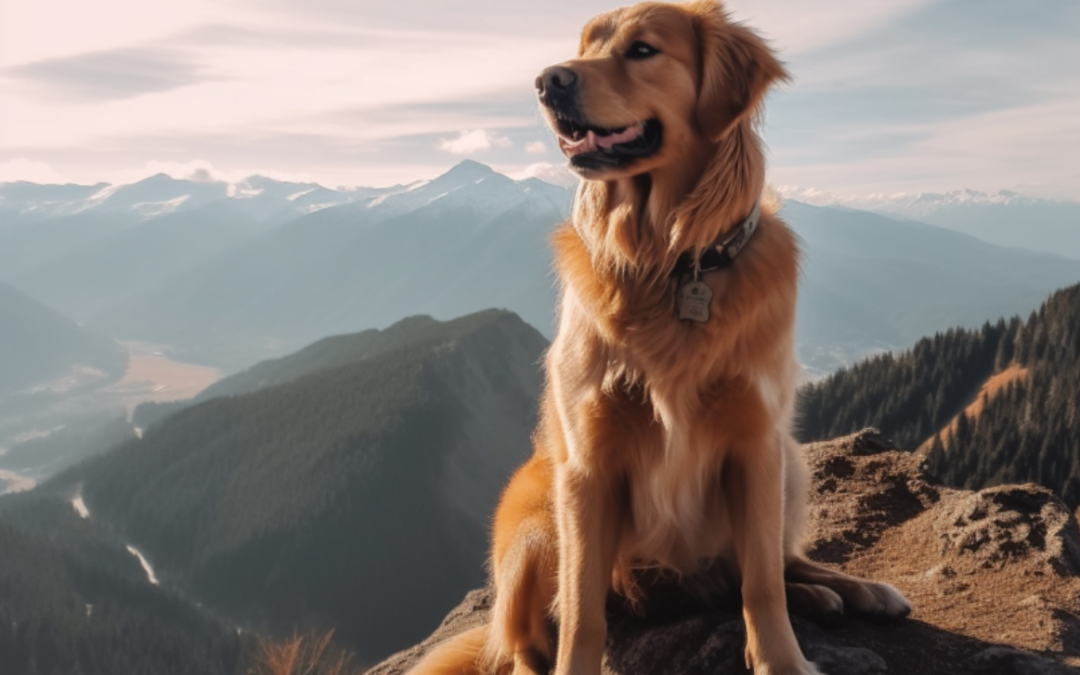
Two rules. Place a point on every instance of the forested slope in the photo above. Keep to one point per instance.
(75, 602)
(331, 352)
(355, 497)
(1029, 430)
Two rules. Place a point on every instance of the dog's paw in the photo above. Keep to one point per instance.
(794, 665)
(880, 601)
(816, 602)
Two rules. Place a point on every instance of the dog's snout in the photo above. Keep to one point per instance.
(556, 86)
(555, 78)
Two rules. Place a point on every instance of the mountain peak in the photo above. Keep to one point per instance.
(470, 168)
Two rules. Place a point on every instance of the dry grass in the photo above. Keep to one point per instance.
(13, 482)
(308, 654)
(160, 379)
(991, 388)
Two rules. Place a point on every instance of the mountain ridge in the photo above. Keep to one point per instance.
(1004, 218)
(921, 398)
(301, 486)
(39, 344)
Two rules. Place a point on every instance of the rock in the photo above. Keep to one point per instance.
(997, 525)
(1008, 661)
(846, 660)
(993, 575)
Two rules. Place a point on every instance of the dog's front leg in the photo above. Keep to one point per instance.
(588, 537)
(753, 486)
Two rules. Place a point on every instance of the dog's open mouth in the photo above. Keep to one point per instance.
(590, 147)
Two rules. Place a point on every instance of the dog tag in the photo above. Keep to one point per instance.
(693, 301)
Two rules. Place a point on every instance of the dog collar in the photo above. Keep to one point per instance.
(721, 252)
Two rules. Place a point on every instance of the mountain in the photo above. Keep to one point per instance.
(326, 354)
(985, 407)
(993, 577)
(66, 441)
(473, 238)
(468, 240)
(314, 500)
(112, 267)
(1004, 218)
(25, 201)
(38, 346)
(44, 223)
(260, 197)
(24, 245)
(296, 262)
(871, 283)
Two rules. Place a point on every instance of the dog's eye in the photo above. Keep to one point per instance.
(641, 50)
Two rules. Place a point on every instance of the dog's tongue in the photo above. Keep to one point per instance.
(593, 141)
(627, 135)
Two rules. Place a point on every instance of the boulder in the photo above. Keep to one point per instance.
(994, 577)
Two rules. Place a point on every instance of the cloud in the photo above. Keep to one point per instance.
(535, 148)
(796, 27)
(114, 74)
(561, 18)
(469, 142)
(30, 170)
(556, 174)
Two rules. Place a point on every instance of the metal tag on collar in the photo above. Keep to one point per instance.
(694, 297)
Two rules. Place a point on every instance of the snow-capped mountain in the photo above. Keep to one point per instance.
(1004, 218)
(473, 186)
(160, 195)
(244, 271)
(469, 183)
(914, 204)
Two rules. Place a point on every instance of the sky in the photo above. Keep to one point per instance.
(888, 96)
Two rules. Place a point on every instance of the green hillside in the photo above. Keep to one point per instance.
(356, 497)
(38, 344)
(996, 405)
(332, 352)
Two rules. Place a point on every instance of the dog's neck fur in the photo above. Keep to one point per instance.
(647, 224)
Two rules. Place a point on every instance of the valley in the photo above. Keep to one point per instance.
(78, 422)
(11, 482)
(152, 376)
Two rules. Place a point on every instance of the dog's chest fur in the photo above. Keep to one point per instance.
(677, 508)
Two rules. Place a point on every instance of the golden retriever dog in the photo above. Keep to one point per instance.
(663, 445)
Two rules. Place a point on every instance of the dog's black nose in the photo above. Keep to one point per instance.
(557, 89)
(556, 80)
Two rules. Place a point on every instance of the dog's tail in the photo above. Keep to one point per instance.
(460, 655)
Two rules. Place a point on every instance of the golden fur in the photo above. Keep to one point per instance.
(662, 444)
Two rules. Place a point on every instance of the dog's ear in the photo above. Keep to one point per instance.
(737, 69)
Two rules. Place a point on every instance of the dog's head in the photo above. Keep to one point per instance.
(654, 83)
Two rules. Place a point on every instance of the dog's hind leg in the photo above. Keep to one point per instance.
(525, 560)
(460, 655)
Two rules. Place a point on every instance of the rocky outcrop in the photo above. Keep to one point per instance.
(994, 577)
